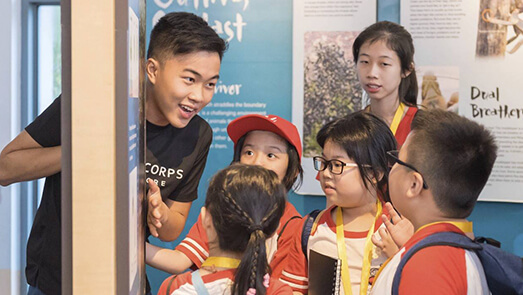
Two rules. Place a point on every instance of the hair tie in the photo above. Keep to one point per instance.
(255, 227)
(266, 279)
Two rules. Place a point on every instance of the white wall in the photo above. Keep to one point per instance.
(10, 33)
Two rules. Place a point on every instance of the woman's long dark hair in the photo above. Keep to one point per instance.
(400, 41)
(246, 203)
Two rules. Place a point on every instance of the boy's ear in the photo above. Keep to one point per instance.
(151, 68)
(416, 185)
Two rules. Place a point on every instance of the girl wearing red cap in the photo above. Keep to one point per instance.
(268, 141)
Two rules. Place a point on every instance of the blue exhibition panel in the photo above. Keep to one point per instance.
(257, 70)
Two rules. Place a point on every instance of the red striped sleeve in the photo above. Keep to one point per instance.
(278, 288)
(285, 240)
(295, 272)
(195, 245)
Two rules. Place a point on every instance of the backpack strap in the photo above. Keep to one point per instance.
(198, 284)
(285, 225)
(308, 227)
(168, 291)
(438, 239)
(489, 241)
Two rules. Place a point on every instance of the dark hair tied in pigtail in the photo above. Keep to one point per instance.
(260, 267)
(246, 203)
(257, 244)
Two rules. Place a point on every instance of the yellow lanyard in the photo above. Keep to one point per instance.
(224, 262)
(397, 118)
(464, 226)
(367, 253)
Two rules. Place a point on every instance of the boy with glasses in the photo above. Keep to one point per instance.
(435, 182)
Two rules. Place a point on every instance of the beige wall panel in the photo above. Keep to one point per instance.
(93, 146)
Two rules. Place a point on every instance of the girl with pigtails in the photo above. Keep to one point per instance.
(243, 208)
(268, 141)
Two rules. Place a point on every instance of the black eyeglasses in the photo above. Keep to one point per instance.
(335, 166)
(394, 158)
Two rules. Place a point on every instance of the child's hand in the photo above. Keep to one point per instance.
(155, 215)
(385, 243)
(400, 229)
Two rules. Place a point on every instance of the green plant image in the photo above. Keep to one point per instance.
(331, 89)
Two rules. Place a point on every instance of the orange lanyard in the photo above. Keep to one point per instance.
(397, 118)
(367, 253)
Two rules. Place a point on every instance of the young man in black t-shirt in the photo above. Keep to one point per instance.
(33, 154)
(182, 68)
(183, 65)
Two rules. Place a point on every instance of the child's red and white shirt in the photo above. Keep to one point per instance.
(323, 241)
(216, 283)
(196, 244)
(435, 269)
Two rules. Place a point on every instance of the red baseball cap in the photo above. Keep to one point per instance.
(244, 124)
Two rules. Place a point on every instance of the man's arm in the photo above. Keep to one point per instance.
(24, 159)
(165, 220)
(176, 218)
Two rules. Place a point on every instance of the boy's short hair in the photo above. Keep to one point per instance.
(455, 156)
(183, 33)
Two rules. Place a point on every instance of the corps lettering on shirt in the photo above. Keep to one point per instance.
(160, 171)
(175, 158)
(163, 171)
